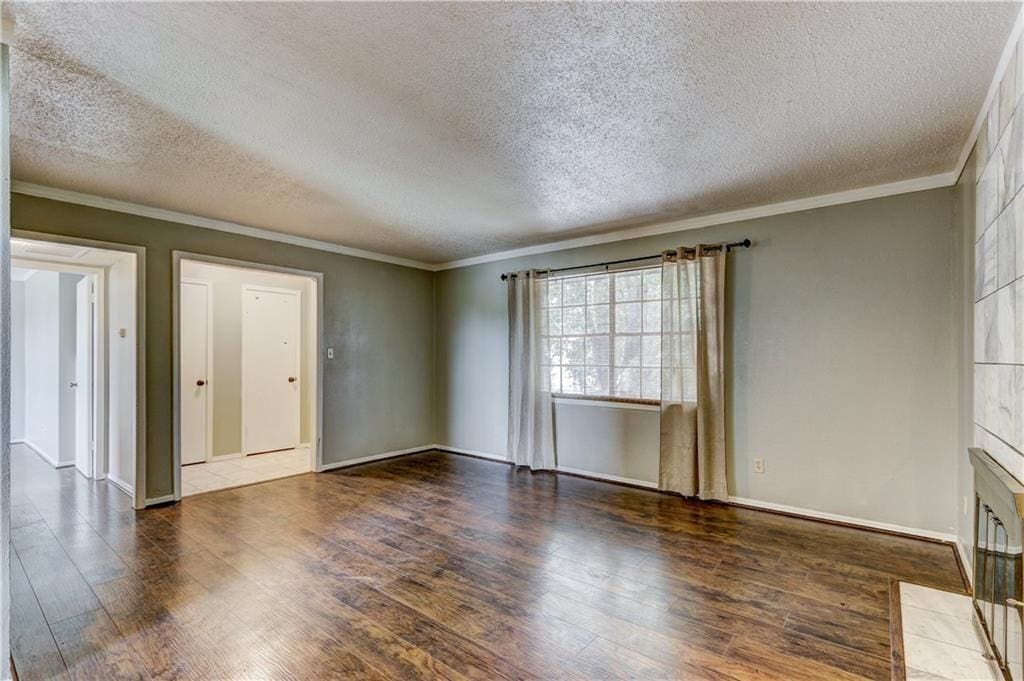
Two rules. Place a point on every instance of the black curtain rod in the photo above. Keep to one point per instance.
(712, 247)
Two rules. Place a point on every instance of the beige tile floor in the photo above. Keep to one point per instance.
(942, 637)
(206, 477)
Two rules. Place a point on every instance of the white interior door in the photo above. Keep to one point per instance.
(195, 371)
(83, 376)
(271, 336)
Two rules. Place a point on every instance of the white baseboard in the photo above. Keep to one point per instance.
(966, 562)
(739, 501)
(239, 455)
(121, 485)
(43, 455)
(560, 469)
(411, 450)
(224, 457)
(848, 520)
(609, 478)
(472, 452)
(376, 457)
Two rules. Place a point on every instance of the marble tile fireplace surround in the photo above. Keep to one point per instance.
(992, 195)
(991, 201)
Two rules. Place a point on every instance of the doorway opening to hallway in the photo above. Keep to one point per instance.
(74, 358)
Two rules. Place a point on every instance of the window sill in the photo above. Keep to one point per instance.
(638, 405)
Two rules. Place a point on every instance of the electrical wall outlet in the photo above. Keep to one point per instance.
(759, 465)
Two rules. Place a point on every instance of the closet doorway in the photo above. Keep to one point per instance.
(247, 372)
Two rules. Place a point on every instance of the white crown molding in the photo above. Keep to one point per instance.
(820, 201)
(796, 205)
(993, 92)
(808, 203)
(80, 198)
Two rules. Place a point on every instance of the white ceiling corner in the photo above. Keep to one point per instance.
(440, 134)
(1009, 46)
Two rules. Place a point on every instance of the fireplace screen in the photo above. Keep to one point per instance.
(999, 500)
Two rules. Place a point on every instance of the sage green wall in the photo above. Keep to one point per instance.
(378, 317)
(841, 356)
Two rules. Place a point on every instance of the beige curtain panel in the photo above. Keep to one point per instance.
(693, 458)
(531, 439)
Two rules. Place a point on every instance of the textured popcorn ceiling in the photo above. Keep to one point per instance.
(440, 131)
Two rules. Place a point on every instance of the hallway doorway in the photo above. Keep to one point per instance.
(247, 373)
(74, 358)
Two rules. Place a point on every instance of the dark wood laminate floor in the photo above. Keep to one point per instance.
(438, 565)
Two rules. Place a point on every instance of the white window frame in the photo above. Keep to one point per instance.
(565, 397)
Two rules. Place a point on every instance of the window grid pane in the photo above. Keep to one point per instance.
(602, 334)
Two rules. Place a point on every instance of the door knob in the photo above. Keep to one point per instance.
(200, 383)
(73, 384)
(291, 379)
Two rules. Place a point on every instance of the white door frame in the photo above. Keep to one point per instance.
(209, 358)
(100, 396)
(298, 351)
(7, 28)
(93, 379)
(318, 357)
(139, 252)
